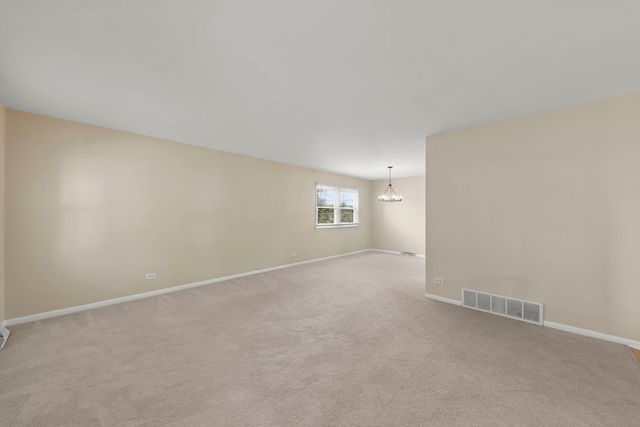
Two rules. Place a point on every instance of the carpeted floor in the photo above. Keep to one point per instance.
(346, 342)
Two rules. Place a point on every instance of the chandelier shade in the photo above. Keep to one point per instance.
(389, 194)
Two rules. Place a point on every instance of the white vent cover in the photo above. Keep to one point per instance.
(528, 311)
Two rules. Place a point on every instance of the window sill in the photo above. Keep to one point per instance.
(323, 227)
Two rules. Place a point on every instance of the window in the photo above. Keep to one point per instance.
(336, 207)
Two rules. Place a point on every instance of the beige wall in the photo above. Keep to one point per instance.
(2, 168)
(91, 210)
(544, 207)
(399, 226)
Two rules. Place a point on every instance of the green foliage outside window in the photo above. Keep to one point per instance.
(346, 215)
(325, 215)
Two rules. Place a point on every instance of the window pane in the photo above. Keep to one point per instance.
(346, 215)
(325, 197)
(325, 216)
(347, 199)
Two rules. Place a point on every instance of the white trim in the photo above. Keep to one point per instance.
(592, 334)
(443, 299)
(394, 252)
(344, 225)
(75, 309)
(386, 252)
(4, 335)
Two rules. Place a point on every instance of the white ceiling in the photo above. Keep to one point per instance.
(349, 86)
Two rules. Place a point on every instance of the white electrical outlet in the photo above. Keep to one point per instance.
(438, 280)
(293, 254)
(150, 276)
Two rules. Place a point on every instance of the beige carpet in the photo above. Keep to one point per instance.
(350, 341)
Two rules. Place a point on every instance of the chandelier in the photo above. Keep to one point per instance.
(389, 195)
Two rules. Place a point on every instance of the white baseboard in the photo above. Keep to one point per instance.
(4, 335)
(394, 252)
(443, 299)
(385, 251)
(592, 334)
(75, 309)
(560, 326)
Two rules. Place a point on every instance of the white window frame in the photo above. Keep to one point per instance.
(336, 207)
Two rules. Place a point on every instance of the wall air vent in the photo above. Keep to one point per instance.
(514, 308)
